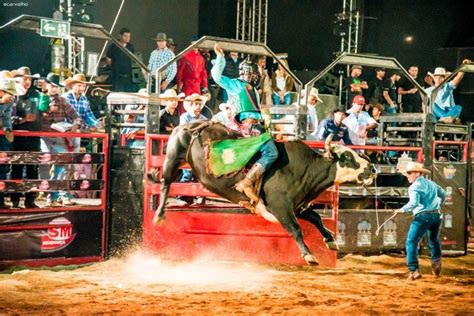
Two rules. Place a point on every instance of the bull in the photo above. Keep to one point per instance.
(297, 177)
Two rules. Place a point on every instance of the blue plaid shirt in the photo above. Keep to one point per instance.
(83, 108)
(159, 58)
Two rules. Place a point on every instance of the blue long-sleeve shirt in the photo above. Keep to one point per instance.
(160, 57)
(83, 108)
(425, 195)
(246, 98)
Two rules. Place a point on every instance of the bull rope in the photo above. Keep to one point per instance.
(195, 133)
(376, 210)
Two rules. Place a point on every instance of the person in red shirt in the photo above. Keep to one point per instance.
(192, 75)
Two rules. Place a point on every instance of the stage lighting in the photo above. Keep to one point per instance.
(408, 39)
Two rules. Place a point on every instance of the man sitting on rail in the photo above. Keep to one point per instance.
(445, 109)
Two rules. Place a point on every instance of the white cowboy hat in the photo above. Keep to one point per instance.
(170, 94)
(77, 78)
(194, 98)
(416, 167)
(224, 106)
(439, 71)
(314, 92)
(9, 85)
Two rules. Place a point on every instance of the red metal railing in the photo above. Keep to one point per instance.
(104, 138)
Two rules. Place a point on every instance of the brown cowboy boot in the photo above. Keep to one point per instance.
(247, 184)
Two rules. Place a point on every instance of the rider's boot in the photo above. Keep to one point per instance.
(247, 184)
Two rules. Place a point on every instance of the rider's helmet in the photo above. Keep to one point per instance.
(248, 71)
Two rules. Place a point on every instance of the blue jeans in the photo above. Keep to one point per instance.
(56, 145)
(269, 153)
(4, 168)
(286, 99)
(454, 111)
(423, 223)
(187, 176)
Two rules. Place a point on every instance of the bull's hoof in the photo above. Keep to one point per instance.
(157, 220)
(332, 245)
(311, 260)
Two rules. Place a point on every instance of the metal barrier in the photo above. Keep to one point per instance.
(225, 229)
(55, 235)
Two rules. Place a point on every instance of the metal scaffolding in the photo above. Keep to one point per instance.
(347, 28)
(252, 20)
(348, 25)
(75, 45)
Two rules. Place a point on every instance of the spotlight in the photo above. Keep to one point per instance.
(408, 39)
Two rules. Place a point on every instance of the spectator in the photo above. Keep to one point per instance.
(57, 110)
(336, 127)
(226, 117)
(8, 90)
(193, 105)
(377, 110)
(76, 87)
(160, 56)
(171, 45)
(265, 85)
(411, 98)
(390, 93)
(359, 122)
(355, 84)
(426, 198)
(132, 132)
(192, 75)
(282, 85)
(120, 63)
(375, 90)
(28, 119)
(445, 109)
(313, 121)
(169, 116)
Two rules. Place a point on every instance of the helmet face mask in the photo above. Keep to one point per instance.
(248, 72)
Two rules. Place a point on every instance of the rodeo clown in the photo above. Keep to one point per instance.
(247, 115)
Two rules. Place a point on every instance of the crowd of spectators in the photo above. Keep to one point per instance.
(30, 102)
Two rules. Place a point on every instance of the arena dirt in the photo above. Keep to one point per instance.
(143, 283)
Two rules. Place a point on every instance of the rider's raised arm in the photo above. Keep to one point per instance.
(232, 86)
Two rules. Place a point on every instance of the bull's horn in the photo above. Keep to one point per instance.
(327, 143)
(328, 147)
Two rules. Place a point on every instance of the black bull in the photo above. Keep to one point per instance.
(297, 177)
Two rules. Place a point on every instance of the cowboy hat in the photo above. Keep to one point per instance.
(53, 79)
(356, 67)
(314, 92)
(24, 72)
(416, 167)
(194, 98)
(77, 78)
(9, 85)
(170, 42)
(224, 106)
(171, 94)
(160, 37)
(439, 71)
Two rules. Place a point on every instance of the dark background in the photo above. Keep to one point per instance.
(301, 28)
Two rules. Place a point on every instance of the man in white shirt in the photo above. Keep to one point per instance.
(359, 122)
